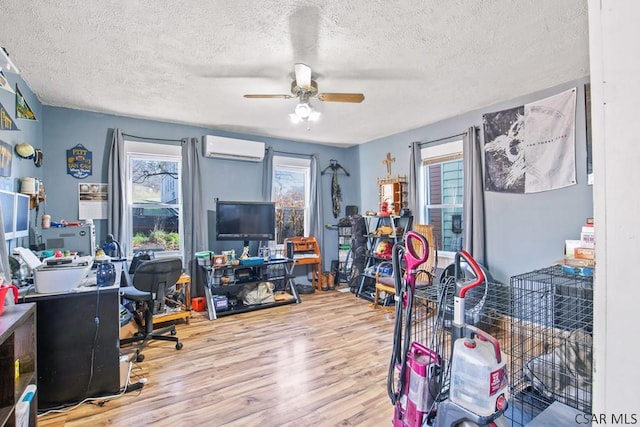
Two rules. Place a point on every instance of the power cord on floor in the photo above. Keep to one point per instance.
(102, 399)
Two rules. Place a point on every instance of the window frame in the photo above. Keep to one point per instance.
(293, 164)
(441, 153)
(152, 151)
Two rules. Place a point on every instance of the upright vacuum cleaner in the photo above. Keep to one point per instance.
(414, 365)
(473, 390)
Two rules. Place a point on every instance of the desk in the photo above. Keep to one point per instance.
(71, 345)
(182, 285)
(306, 251)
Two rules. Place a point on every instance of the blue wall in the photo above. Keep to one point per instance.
(523, 231)
(224, 179)
(31, 132)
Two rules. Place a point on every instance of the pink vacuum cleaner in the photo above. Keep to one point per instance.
(473, 390)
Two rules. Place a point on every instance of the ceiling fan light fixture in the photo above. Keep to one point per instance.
(303, 110)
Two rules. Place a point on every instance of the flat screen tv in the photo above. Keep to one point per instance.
(245, 221)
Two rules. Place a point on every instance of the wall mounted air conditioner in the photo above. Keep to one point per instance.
(230, 148)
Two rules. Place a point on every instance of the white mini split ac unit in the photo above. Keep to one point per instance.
(229, 148)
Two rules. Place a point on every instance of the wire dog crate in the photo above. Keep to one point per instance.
(550, 342)
(543, 320)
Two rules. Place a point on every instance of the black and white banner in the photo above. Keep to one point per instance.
(531, 148)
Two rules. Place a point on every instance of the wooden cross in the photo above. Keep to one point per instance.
(388, 162)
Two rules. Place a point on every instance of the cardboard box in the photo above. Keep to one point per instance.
(588, 237)
(578, 271)
(221, 303)
(570, 246)
(577, 262)
(585, 253)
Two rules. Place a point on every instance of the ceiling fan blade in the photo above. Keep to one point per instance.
(267, 96)
(341, 97)
(303, 75)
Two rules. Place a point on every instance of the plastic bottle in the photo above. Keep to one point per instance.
(477, 377)
(105, 274)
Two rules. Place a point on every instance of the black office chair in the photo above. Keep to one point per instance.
(151, 281)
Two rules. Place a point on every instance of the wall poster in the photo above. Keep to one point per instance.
(6, 155)
(6, 122)
(92, 200)
(531, 148)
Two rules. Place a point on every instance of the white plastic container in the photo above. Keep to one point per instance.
(23, 407)
(478, 375)
(22, 414)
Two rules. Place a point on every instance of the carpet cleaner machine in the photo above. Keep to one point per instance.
(425, 389)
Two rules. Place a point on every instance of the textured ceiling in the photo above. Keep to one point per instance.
(417, 62)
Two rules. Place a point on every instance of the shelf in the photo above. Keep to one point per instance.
(373, 258)
(277, 271)
(5, 413)
(17, 342)
(246, 308)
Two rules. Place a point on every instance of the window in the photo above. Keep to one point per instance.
(290, 192)
(153, 199)
(442, 194)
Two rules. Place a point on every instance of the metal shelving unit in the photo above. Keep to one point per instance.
(375, 237)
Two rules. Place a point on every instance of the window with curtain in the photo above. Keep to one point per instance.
(153, 199)
(291, 194)
(441, 195)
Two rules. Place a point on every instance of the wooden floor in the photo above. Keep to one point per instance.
(319, 363)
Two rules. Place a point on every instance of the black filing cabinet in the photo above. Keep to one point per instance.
(78, 345)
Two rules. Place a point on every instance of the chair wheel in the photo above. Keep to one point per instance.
(139, 357)
(173, 332)
(179, 346)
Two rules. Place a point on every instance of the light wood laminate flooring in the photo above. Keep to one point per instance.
(323, 362)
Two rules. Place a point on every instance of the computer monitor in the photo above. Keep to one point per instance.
(7, 204)
(21, 215)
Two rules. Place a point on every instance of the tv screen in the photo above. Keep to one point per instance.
(21, 215)
(6, 203)
(245, 220)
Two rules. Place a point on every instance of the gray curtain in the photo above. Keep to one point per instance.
(195, 230)
(414, 167)
(117, 218)
(267, 174)
(473, 204)
(317, 218)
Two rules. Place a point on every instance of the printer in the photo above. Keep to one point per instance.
(56, 275)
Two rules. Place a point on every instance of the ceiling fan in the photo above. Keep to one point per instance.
(305, 88)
